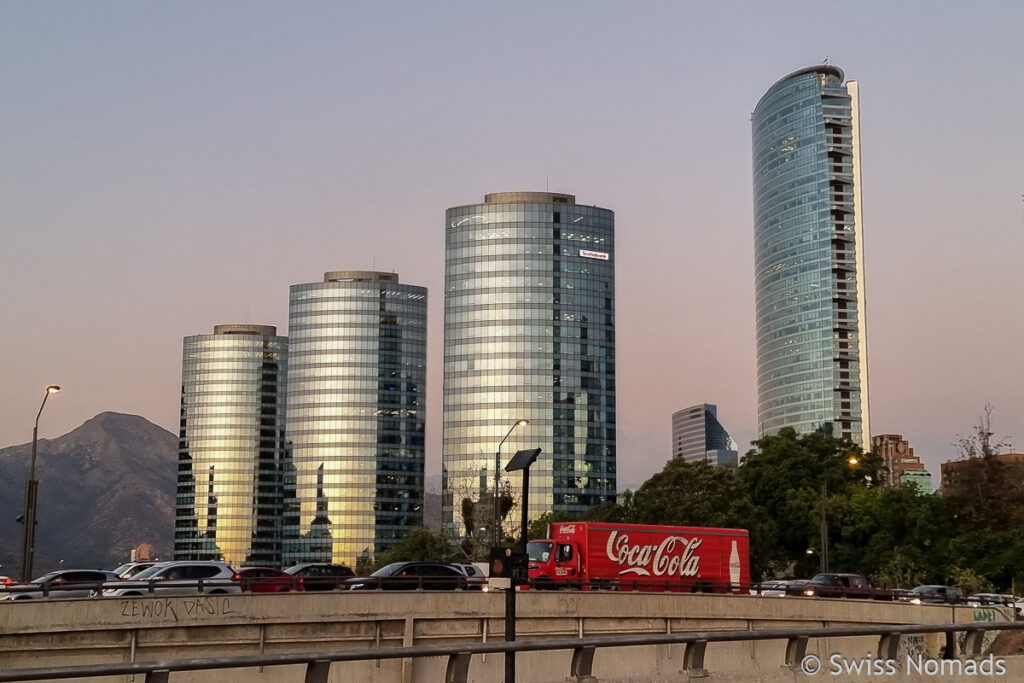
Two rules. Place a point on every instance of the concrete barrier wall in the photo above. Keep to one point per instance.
(53, 633)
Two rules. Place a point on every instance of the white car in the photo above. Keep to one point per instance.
(179, 578)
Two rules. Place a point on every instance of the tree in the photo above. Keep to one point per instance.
(979, 444)
(419, 544)
(987, 492)
(785, 475)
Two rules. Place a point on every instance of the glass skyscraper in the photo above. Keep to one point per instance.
(698, 435)
(809, 256)
(231, 446)
(529, 333)
(353, 479)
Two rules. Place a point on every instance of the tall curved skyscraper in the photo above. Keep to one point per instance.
(809, 256)
(231, 446)
(356, 387)
(529, 333)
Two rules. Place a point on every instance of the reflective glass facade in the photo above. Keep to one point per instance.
(356, 389)
(231, 446)
(698, 435)
(529, 332)
(810, 299)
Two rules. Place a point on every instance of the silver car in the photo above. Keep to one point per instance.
(64, 583)
(179, 578)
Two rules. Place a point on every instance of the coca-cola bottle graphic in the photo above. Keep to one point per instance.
(734, 566)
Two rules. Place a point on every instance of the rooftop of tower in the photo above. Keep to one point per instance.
(236, 328)
(359, 276)
(529, 198)
(826, 69)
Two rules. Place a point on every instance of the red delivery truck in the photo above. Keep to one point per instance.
(640, 557)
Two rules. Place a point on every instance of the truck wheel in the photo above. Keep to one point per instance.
(701, 587)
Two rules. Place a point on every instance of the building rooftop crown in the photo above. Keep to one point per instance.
(359, 276)
(252, 330)
(529, 198)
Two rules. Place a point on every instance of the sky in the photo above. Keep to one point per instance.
(165, 167)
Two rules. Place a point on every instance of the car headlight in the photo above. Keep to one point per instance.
(809, 592)
(915, 601)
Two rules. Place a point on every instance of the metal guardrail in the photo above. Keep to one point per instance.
(318, 664)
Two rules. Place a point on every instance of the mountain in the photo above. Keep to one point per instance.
(104, 488)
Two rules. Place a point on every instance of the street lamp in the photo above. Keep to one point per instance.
(852, 461)
(31, 490)
(496, 529)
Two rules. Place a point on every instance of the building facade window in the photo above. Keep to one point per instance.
(356, 416)
(231, 446)
(529, 333)
(810, 304)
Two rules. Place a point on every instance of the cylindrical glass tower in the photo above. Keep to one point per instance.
(529, 333)
(809, 257)
(231, 446)
(356, 390)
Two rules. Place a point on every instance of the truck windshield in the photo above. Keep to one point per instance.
(539, 551)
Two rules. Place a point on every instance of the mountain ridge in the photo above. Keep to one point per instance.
(104, 488)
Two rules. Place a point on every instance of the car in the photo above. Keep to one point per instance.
(903, 594)
(1018, 608)
(130, 569)
(321, 576)
(179, 578)
(840, 585)
(476, 575)
(990, 600)
(63, 583)
(777, 588)
(935, 594)
(412, 576)
(268, 580)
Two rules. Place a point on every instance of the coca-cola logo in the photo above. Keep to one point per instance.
(567, 529)
(673, 556)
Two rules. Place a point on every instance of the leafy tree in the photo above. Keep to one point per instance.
(786, 474)
(894, 535)
(419, 544)
(969, 581)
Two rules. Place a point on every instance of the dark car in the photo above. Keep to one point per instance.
(937, 594)
(268, 580)
(64, 583)
(321, 576)
(414, 575)
(840, 585)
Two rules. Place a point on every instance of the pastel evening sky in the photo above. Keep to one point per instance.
(165, 167)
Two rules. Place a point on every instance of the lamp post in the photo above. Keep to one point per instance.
(852, 461)
(496, 528)
(31, 490)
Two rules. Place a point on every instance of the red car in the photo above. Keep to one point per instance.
(267, 580)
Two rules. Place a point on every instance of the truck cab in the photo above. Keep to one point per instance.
(554, 560)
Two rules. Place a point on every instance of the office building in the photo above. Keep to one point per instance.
(809, 256)
(529, 333)
(231, 446)
(356, 389)
(698, 435)
(1010, 465)
(899, 464)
